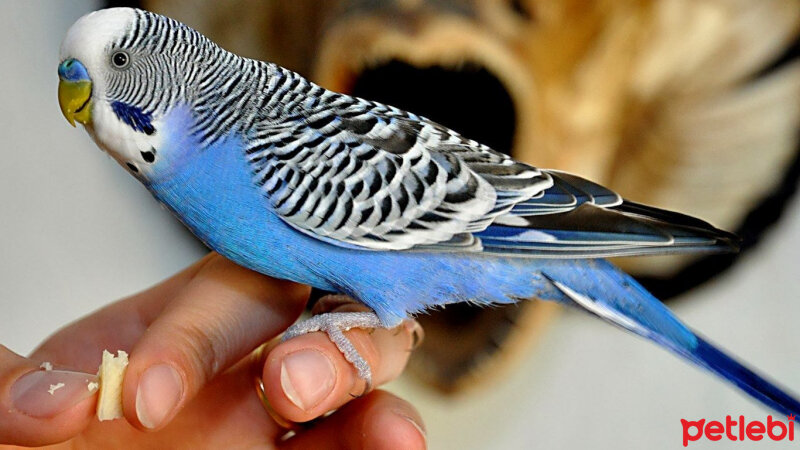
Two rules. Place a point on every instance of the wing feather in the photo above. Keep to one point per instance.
(372, 176)
(363, 175)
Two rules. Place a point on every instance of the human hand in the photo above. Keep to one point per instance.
(190, 381)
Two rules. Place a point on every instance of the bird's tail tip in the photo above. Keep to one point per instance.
(753, 384)
(626, 304)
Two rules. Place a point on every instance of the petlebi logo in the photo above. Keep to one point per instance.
(738, 429)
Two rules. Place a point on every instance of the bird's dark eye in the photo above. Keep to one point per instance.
(120, 60)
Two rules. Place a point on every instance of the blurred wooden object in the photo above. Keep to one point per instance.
(656, 99)
(659, 99)
(674, 103)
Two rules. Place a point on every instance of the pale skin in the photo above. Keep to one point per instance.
(204, 324)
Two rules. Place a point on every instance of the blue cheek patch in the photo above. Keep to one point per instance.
(134, 117)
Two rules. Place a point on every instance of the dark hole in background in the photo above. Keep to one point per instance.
(123, 3)
(469, 100)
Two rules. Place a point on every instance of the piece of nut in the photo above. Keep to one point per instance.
(110, 375)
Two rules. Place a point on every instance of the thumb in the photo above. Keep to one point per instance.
(221, 315)
(41, 407)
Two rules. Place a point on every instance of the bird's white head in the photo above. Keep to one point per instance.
(121, 72)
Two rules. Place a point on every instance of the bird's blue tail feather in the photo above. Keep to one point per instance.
(600, 288)
(713, 359)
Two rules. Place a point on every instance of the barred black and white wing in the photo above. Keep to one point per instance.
(372, 176)
(364, 175)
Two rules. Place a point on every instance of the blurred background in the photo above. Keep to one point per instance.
(683, 104)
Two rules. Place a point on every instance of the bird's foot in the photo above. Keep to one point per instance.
(334, 324)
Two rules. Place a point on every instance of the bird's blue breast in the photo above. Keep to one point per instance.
(211, 190)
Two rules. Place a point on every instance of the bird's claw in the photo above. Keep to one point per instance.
(334, 325)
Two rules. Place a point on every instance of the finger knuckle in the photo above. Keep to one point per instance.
(205, 349)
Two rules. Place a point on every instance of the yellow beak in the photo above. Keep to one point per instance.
(75, 99)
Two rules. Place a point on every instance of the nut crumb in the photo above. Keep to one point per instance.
(92, 386)
(46, 366)
(55, 387)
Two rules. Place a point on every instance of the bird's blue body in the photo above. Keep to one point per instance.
(212, 192)
(347, 195)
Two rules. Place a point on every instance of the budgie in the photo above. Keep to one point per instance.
(352, 196)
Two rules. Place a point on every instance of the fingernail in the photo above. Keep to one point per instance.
(160, 389)
(307, 377)
(415, 424)
(48, 393)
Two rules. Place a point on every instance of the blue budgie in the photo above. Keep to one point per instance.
(352, 196)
